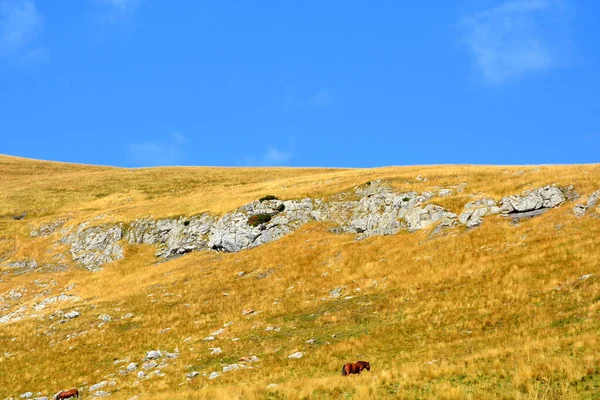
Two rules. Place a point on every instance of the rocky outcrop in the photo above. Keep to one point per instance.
(592, 203)
(235, 231)
(541, 198)
(48, 229)
(474, 212)
(381, 211)
(95, 246)
(369, 210)
(175, 235)
(23, 265)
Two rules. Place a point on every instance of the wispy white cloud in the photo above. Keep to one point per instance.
(322, 98)
(20, 26)
(511, 40)
(275, 156)
(272, 156)
(163, 151)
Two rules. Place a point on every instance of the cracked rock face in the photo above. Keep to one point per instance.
(474, 212)
(371, 209)
(546, 197)
(232, 232)
(95, 246)
(380, 211)
(176, 236)
(581, 209)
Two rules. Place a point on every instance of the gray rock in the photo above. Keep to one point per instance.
(149, 365)
(26, 395)
(105, 317)
(297, 354)
(474, 212)
(101, 393)
(175, 236)
(546, 197)
(579, 210)
(141, 374)
(215, 350)
(335, 293)
(48, 229)
(153, 355)
(584, 277)
(213, 375)
(98, 386)
(72, 314)
(231, 367)
(23, 265)
(132, 367)
(93, 247)
(193, 374)
(593, 199)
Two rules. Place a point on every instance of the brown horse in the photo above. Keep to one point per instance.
(355, 368)
(65, 394)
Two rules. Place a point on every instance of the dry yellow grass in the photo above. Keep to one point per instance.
(499, 308)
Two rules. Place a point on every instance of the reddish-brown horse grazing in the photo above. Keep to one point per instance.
(355, 368)
(65, 394)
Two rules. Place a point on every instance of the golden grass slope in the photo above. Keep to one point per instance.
(494, 312)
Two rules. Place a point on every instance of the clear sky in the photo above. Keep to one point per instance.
(300, 82)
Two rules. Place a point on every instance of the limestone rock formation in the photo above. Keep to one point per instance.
(235, 232)
(546, 197)
(175, 235)
(474, 212)
(581, 209)
(95, 246)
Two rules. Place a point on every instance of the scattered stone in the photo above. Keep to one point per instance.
(72, 314)
(231, 367)
(311, 341)
(297, 354)
(23, 265)
(335, 293)
(20, 217)
(105, 317)
(153, 355)
(430, 362)
(209, 338)
(26, 395)
(98, 386)
(165, 330)
(48, 229)
(132, 367)
(248, 311)
(101, 393)
(584, 277)
(217, 332)
(141, 374)
(272, 386)
(172, 355)
(215, 350)
(213, 375)
(149, 365)
(250, 359)
(193, 374)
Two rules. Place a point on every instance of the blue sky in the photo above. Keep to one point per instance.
(300, 83)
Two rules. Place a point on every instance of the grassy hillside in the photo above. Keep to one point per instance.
(494, 312)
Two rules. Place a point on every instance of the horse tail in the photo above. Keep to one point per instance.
(344, 370)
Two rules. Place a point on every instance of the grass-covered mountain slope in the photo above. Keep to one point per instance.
(508, 307)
